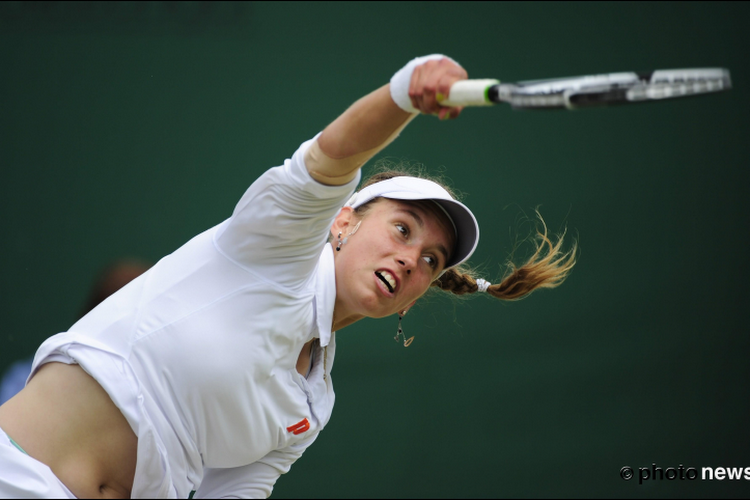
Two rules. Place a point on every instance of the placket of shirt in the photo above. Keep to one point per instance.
(314, 359)
(305, 386)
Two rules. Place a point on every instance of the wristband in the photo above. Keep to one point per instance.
(402, 79)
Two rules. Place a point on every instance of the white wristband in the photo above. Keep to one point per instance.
(402, 79)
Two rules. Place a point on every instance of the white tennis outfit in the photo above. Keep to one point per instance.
(200, 352)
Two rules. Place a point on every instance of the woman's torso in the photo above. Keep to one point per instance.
(200, 353)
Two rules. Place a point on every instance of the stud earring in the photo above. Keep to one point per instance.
(400, 331)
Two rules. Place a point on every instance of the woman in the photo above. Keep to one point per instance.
(211, 373)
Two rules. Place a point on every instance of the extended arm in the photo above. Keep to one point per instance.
(372, 122)
(279, 225)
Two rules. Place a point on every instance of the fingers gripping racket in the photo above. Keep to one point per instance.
(587, 91)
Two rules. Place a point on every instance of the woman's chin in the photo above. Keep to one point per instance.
(372, 306)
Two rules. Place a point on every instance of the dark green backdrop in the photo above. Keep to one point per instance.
(127, 128)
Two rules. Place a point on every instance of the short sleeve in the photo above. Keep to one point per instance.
(282, 222)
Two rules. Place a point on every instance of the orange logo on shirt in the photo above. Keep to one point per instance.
(300, 427)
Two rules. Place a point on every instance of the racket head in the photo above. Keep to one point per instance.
(611, 88)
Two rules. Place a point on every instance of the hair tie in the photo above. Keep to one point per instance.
(482, 285)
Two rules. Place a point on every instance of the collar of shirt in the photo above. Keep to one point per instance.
(325, 294)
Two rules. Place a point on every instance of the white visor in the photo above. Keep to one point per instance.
(414, 188)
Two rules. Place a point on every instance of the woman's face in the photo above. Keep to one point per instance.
(398, 250)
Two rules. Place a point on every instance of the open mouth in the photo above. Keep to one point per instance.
(387, 279)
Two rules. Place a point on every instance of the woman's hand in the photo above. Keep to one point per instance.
(431, 83)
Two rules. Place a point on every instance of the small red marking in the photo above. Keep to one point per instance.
(300, 427)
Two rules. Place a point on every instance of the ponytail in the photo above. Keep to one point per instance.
(546, 268)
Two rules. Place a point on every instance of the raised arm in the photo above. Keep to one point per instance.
(375, 120)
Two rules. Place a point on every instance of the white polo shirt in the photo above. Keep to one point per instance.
(200, 352)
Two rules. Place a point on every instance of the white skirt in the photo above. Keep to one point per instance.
(24, 477)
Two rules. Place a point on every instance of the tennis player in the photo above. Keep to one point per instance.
(210, 374)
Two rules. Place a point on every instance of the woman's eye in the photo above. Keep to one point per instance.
(403, 229)
(430, 260)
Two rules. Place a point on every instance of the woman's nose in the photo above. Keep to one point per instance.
(407, 261)
(405, 266)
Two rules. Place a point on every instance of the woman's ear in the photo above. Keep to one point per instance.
(343, 221)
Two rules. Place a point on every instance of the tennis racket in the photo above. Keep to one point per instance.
(587, 91)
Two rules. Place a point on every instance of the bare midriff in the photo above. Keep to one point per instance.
(66, 420)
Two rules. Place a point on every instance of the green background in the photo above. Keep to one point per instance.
(127, 128)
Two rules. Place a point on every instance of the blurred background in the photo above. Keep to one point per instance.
(126, 128)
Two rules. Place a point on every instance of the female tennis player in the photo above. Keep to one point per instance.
(210, 374)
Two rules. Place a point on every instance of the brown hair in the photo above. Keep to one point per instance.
(547, 267)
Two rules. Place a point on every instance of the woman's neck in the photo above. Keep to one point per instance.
(342, 317)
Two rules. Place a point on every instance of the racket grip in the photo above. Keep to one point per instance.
(469, 93)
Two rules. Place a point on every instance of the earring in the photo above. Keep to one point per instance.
(338, 247)
(400, 331)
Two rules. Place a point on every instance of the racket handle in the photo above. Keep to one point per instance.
(469, 93)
